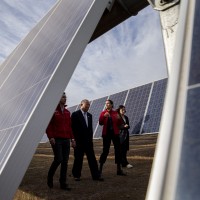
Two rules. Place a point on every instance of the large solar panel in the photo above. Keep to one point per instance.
(153, 115)
(136, 105)
(189, 176)
(33, 79)
(96, 108)
(8, 65)
(175, 174)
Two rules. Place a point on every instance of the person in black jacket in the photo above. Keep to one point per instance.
(124, 136)
(83, 134)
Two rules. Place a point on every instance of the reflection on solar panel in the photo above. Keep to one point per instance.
(143, 105)
(96, 107)
(33, 79)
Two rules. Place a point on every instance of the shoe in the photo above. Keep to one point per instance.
(77, 179)
(65, 187)
(129, 166)
(98, 179)
(121, 173)
(50, 182)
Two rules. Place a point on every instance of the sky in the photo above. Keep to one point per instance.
(129, 55)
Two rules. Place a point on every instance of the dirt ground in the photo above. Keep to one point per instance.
(133, 186)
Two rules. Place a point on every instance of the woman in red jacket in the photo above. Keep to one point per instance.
(111, 121)
(59, 133)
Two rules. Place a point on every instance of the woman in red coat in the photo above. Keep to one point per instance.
(111, 121)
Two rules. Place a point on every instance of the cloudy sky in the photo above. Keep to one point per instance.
(127, 56)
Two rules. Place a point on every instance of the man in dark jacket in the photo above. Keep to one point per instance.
(83, 133)
(59, 133)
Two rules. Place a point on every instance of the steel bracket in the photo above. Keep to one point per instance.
(162, 5)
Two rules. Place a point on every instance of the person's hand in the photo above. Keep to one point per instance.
(73, 143)
(126, 125)
(52, 141)
(107, 114)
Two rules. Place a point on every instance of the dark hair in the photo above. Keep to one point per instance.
(119, 108)
(111, 102)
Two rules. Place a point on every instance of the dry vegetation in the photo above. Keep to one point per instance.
(133, 186)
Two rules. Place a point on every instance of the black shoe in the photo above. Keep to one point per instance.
(65, 187)
(77, 179)
(50, 182)
(98, 179)
(121, 173)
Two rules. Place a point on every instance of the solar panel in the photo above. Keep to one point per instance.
(176, 162)
(118, 98)
(95, 109)
(189, 177)
(32, 83)
(8, 65)
(136, 105)
(153, 115)
(144, 107)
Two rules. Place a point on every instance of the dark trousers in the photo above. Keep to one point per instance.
(61, 151)
(124, 160)
(79, 152)
(106, 147)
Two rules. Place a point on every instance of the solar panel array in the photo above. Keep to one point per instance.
(143, 105)
(33, 78)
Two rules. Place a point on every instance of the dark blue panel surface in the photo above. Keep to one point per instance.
(153, 116)
(95, 109)
(118, 98)
(195, 58)
(189, 175)
(136, 105)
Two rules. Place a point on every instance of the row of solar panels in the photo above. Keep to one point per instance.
(143, 107)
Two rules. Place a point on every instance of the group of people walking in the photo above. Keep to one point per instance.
(77, 128)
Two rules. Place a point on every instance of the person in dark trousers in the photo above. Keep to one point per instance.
(111, 121)
(59, 133)
(124, 136)
(83, 133)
